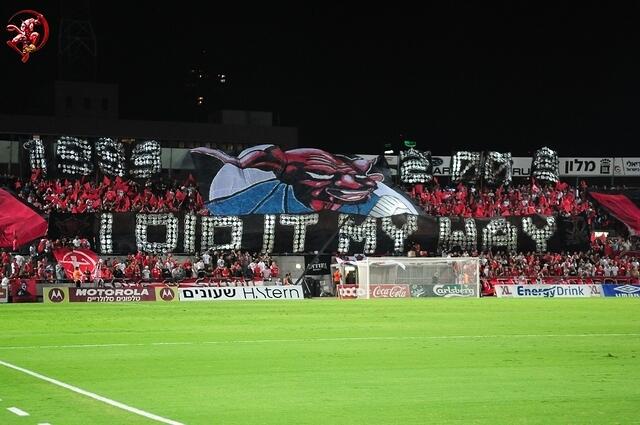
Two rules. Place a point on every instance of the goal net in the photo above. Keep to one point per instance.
(391, 277)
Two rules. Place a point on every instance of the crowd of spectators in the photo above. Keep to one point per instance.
(221, 266)
(612, 257)
(607, 258)
(124, 195)
(566, 265)
(518, 200)
(113, 195)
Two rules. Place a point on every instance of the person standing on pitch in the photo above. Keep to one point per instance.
(337, 279)
(77, 277)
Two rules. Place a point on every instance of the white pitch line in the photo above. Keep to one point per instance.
(90, 394)
(74, 346)
(17, 411)
(45, 423)
(355, 338)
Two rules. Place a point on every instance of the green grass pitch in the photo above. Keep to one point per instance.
(405, 361)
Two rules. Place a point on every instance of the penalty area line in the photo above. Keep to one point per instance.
(336, 339)
(17, 411)
(92, 395)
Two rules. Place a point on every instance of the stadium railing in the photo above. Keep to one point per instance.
(206, 281)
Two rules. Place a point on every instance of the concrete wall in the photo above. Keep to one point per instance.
(9, 152)
(258, 118)
(83, 99)
(293, 264)
(199, 133)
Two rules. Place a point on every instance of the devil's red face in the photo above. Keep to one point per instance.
(328, 181)
(319, 179)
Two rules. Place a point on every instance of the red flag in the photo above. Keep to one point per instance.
(35, 174)
(121, 184)
(19, 221)
(74, 195)
(535, 188)
(106, 181)
(83, 258)
(80, 208)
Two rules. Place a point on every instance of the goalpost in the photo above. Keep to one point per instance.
(383, 277)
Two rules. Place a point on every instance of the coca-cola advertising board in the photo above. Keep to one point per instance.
(389, 291)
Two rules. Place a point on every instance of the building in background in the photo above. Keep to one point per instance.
(91, 110)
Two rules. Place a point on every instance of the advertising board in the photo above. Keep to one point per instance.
(547, 291)
(621, 291)
(242, 293)
(59, 295)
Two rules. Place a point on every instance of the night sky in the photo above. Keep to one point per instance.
(463, 76)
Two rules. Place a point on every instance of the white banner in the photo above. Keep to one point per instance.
(626, 167)
(586, 167)
(569, 166)
(548, 291)
(441, 165)
(521, 166)
(242, 293)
